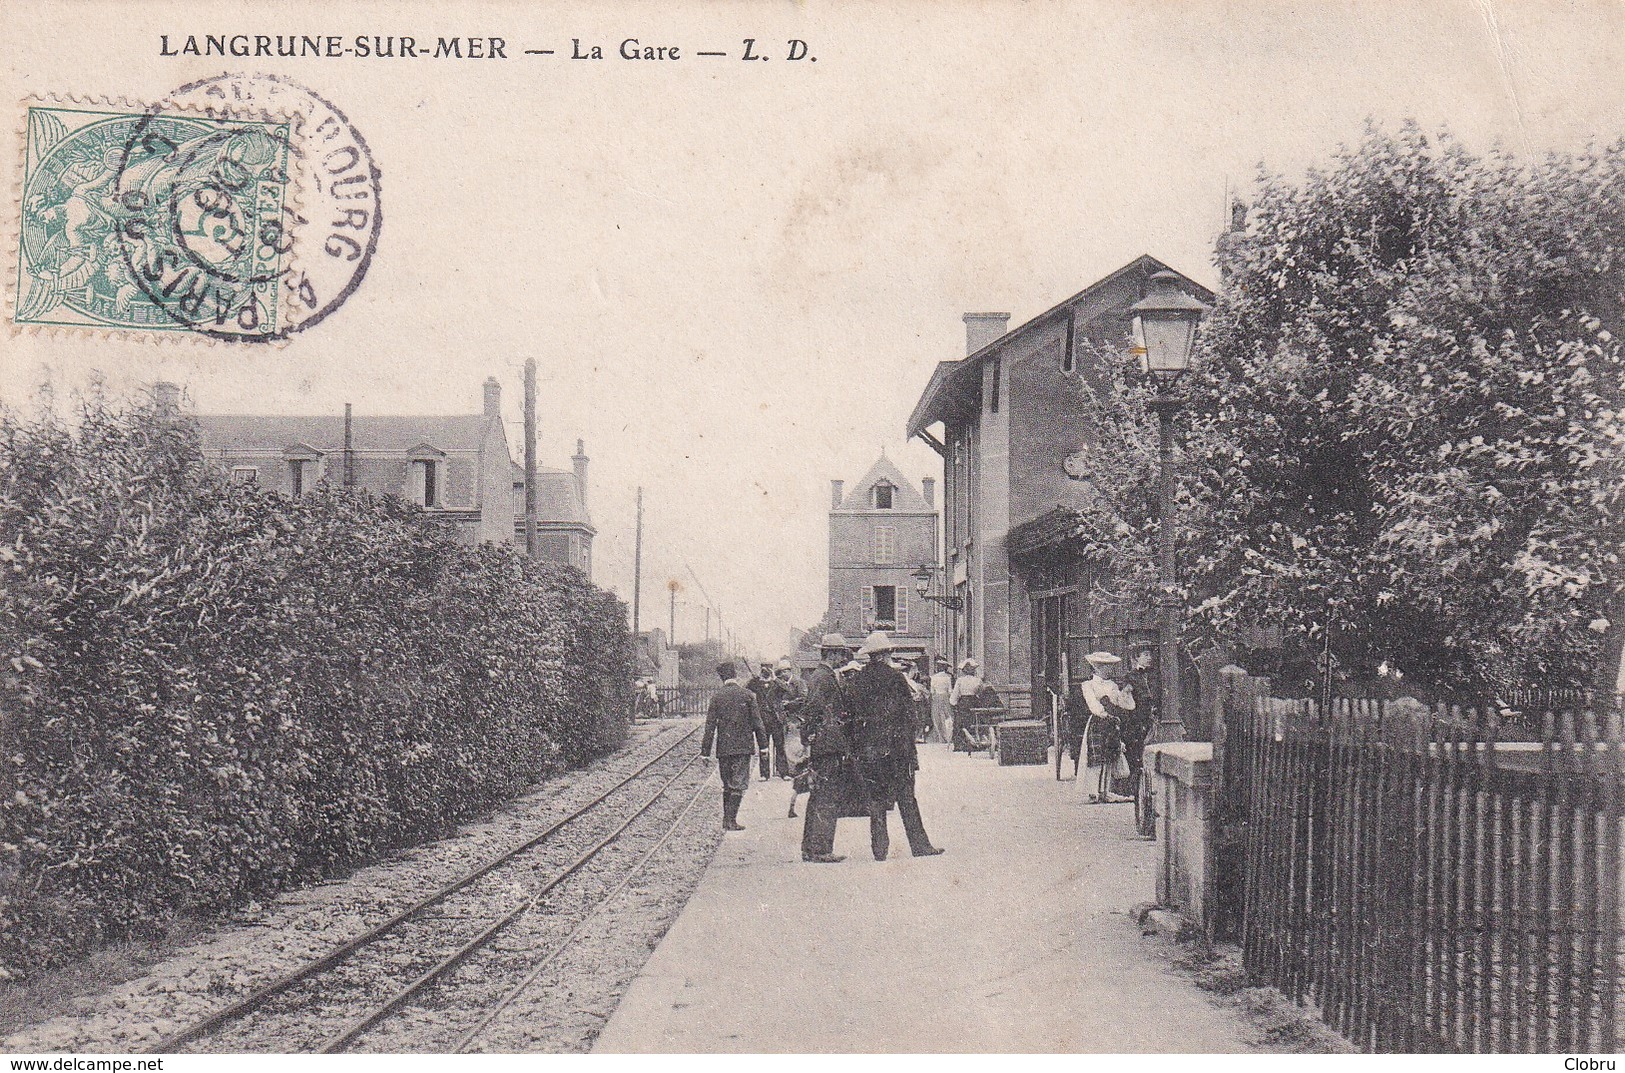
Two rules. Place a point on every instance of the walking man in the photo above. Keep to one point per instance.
(887, 757)
(734, 726)
(826, 732)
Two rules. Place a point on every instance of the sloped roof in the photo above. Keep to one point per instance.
(459, 432)
(558, 496)
(906, 498)
(953, 380)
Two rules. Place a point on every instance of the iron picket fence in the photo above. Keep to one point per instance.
(1430, 888)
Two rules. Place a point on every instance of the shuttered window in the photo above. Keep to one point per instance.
(885, 544)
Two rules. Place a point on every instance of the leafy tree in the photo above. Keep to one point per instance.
(1405, 436)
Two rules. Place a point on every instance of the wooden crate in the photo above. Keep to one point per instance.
(1021, 742)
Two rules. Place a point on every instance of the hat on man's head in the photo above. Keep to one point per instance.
(725, 670)
(875, 642)
(785, 665)
(940, 661)
(969, 664)
(1102, 659)
(833, 640)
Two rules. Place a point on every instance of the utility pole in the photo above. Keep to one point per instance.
(637, 567)
(530, 458)
(349, 451)
(671, 616)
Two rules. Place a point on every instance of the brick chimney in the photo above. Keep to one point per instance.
(493, 397)
(982, 328)
(928, 488)
(166, 397)
(835, 494)
(580, 460)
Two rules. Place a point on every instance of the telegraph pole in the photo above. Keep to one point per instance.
(349, 451)
(530, 458)
(637, 567)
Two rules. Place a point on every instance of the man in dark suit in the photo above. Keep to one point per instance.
(825, 731)
(734, 726)
(770, 696)
(884, 709)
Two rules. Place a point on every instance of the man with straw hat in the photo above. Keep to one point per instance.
(887, 758)
(826, 730)
(1104, 702)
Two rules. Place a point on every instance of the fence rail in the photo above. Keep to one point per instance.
(686, 700)
(1429, 888)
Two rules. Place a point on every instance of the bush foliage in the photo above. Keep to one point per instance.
(209, 693)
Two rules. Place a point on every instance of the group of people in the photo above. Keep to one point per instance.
(852, 725)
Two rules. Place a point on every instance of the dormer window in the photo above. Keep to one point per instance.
(426, 475)
(302, 460)
(882, 495)
(425, 483)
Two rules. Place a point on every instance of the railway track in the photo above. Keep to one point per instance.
(330, 1002)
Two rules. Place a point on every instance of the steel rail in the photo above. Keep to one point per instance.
(359, 1025)
(255, 999)
(552, 955)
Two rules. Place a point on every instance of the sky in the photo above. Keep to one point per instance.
(737, 277)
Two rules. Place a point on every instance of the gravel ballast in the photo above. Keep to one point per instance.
(559, 1014)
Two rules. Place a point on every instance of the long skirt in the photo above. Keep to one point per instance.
(942, 719)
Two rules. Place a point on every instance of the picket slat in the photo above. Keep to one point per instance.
(1428, 890)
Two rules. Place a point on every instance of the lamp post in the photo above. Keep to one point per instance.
(922, 588)
(1165, 328)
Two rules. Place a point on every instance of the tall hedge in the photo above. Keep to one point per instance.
(209, 693)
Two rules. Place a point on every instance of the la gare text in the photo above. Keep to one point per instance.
(376, 46)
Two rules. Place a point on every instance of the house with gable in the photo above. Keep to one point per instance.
(880, 532)
(458, 467)
(564, 529)
(1008, 422)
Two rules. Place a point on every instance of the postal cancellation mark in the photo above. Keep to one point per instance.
(238, 208)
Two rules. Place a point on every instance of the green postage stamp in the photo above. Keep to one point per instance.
(154, 221)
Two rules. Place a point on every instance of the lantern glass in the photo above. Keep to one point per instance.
(1167, 342)
(922, 581)
(1165, 326)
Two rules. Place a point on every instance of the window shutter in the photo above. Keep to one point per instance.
(902, 610)
(868, 606)
(885, 544)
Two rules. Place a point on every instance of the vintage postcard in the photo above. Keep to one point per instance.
(811, 528)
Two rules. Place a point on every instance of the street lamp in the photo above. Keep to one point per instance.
(922, 589)
(1164, 330)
